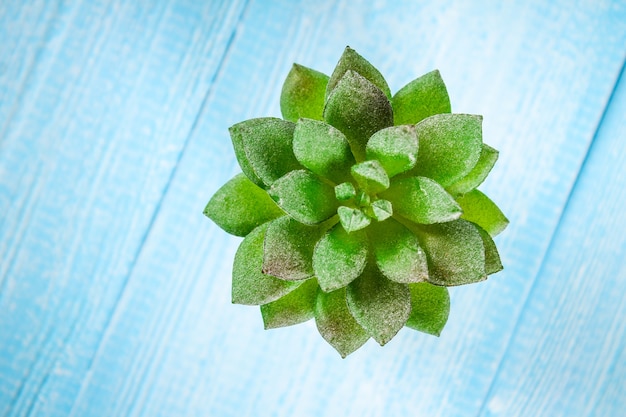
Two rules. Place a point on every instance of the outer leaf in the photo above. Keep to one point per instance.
(250, 285)
(336, 324)
(339, 258)
(264, 149)
(430, 307)
(351, 60)
(303, 94)
(397, 252)
(352, 219)
(421, 98)
(380, 306)
(359, 109)
(371, 176)
(479, 209)
(323, 149)
(305, 197)
(455, 253)
(486, 161)
(422, 200)
(395, 148)
(492, 257)
(450, 145)
(288, 248)
(239, 206)
(296, 307)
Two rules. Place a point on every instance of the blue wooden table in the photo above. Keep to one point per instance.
(115, 290)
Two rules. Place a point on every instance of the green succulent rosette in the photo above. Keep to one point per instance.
(359, 208)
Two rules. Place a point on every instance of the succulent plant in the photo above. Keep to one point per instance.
(359, 208)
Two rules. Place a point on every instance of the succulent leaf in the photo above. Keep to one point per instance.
(358, 109)
(352, 219)
(421, 98)
(430, 307)
(492, 257)
(336, 324)
(479, 209)
(288, 248)
(486, 161)
(421, 200)
(450, 145)
(395, 148)
(371, 176)
(240, 206)
(250, 285)
(264, 149)
(397, 252)
(351, 60)
(296, 307)
(339, 257)
(345, 191)
(381, 210)
(305, 197)
(303, 94)
(323, 149)
(455, 252)
(380, 306)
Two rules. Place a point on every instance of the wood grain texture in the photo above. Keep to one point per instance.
(115, 290)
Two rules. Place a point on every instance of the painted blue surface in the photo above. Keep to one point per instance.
(115, 290)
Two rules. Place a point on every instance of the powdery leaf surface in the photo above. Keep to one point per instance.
(430, 307)
(380, 306)
(336, 324)
(303, 94)
(395, 148)
(351, 60)
(371, 176)
(479, 209)
(492, 257)
(296, 307)
(339, 257)
(240, 206)
(250, 285)
(450, 145)
(486, 161)
(323, 149)
(421, 98)
(421, 200)
(359, 109)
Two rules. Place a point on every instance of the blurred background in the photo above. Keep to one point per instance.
(115, 289)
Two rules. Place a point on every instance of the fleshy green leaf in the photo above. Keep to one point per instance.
(351, 60)
(381, 210)
(323, 149)
(303, 94)
(492, 257)
(395, 148)
(422, 200)
(430, 307)
(240, 206)
(336, 324)
(397, 252)
(264, 149)
(296, 307)
(305, 197)
(345, 191)
(352, 219)
(380, 306)
(250, 285)
(358, 109)
(421, 98)
(450, 145)
(288, 248)
(455, 253)
(371, 176)
(479, 209)
(486, 161)
(339, 258)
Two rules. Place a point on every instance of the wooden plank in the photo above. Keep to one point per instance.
(98, 102)
(157, 336)
(567, 355)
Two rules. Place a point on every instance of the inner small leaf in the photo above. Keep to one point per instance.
(395, 148)
(352, 219)
(381, 210)
(371, 176)
(345, 191)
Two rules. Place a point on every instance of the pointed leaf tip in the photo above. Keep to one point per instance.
(303, 94)
(351, 61)
(430, 307)
(421, 98)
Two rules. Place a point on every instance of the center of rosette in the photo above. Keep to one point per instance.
(360, 204)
